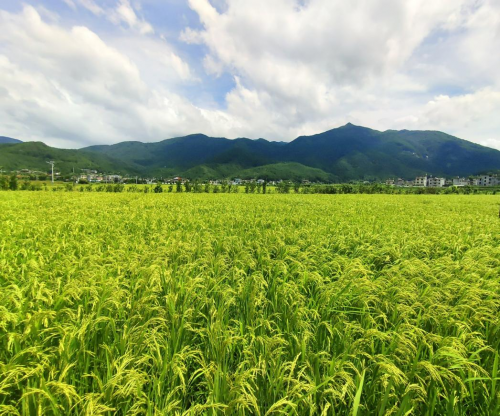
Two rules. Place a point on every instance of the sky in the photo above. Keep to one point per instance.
(74, 73)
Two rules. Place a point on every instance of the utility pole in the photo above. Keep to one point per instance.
(52, 163)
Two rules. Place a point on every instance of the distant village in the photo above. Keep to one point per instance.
(435, 182)
(419, 181)
(89, 176)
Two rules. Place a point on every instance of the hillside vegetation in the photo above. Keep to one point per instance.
(34, 156)
(346, 153)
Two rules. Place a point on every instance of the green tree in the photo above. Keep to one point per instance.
(4, 183)
(197, 186)
(158, 189)
(13, 182)
(264, 187)
(178, 186)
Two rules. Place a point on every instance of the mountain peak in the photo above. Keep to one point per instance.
(353, 126)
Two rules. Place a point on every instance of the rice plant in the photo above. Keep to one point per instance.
(249, 304)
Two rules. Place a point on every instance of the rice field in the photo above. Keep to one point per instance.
(236, 304)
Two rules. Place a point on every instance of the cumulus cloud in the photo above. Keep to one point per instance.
(303, 65)
(68, 87)
(287, 50)
(298, 67)
(472, 115)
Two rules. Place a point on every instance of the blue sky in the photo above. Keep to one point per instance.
(80, 72)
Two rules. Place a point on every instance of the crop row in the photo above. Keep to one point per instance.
(216, 304)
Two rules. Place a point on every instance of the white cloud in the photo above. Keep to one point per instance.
(157, 61)
(298, 68)
(329, 42)
(301, 66)
(92, 6)
(125, 13)
(70, 88)
(474, 115)
(121, 12)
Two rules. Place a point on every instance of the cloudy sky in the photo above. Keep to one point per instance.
(80, 72)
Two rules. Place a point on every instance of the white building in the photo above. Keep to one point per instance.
(460, 181)
(421, 181)
(436, 182)
(488, 180)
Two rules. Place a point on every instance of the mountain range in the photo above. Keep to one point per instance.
(346, 153)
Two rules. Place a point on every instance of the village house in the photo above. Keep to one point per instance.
(436, 182)
(421, 181)
(488, 180)
(460, 181)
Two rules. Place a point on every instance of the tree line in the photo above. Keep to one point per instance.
(284, 187)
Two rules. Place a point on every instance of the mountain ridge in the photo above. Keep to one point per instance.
(345, 153)
(9, 140)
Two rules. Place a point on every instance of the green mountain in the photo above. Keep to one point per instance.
(357, 152)
(183, 153)
(4, 139)
(345, 153)
(289, 170)
(34, 156)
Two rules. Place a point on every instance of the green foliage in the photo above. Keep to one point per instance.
(4, 182)
(288, 170)
(175, 304)
(283, 187)
(13, 185)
